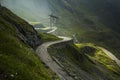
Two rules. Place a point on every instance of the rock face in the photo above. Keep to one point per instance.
(22, 29)
(31, 38)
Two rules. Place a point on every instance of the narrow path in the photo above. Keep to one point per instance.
(111, 55)
(46, 58)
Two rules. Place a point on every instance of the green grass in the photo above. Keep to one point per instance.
(34, 23)
(48, 37)
(19, 58)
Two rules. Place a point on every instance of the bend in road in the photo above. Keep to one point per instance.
(46, 58)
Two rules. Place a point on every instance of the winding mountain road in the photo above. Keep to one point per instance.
(46, 58)
(113, 57)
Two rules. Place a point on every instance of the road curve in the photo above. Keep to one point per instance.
(111, 55)
(46, 58)
(53, 30)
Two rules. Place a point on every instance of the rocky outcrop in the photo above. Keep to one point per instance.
(31, 38)
(24, 31)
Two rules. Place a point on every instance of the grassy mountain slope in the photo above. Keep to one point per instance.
(85, 61)
(18, 61)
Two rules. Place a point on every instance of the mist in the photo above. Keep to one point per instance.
(30, 10)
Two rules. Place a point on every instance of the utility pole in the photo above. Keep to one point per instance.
(0, 4)
(0, 7)
(53, 20)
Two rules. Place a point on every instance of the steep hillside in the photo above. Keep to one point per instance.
(18, 60)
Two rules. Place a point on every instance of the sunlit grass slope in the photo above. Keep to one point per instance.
(48, 37)
(98, 55)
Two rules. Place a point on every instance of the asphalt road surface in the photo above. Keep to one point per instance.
(46, 58)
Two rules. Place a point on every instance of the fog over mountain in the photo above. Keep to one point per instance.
(31, 10)
(105, 12)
